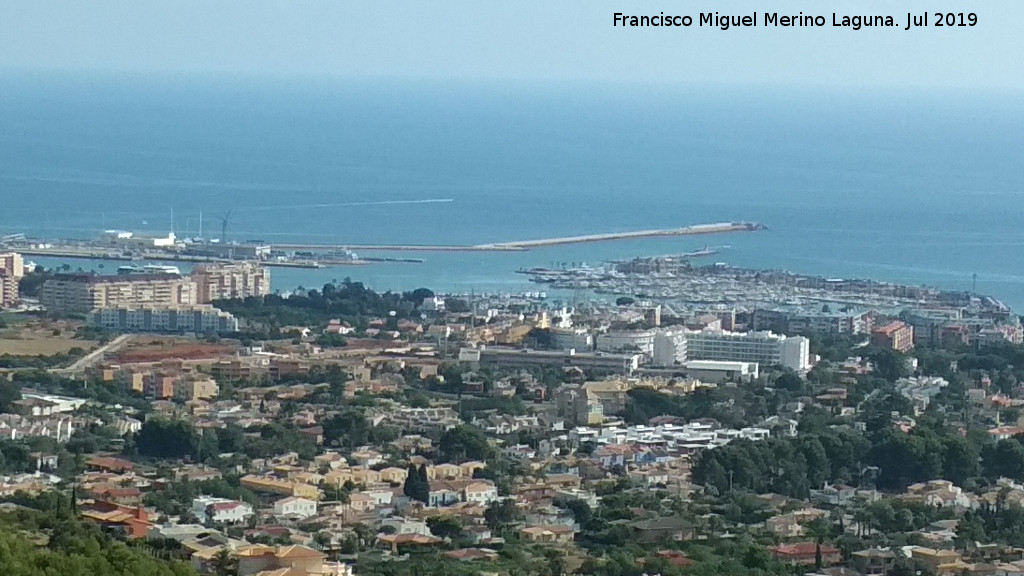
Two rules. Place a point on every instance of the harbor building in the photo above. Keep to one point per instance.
(12, 269)
(894, 336)
(762, 347)
(129, 240)
(83, 293)
(222, 281)
(196, 318)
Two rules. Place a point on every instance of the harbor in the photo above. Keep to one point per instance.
(128, 246)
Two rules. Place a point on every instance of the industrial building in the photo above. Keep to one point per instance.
(83, 293)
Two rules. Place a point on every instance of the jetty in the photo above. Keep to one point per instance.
(523, 245)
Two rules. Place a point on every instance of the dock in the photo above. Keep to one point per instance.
(524, 245)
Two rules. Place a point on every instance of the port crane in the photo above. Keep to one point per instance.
(224, 227)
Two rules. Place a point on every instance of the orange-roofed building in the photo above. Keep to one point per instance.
(805, 553)
(132, 522)
(896, 335)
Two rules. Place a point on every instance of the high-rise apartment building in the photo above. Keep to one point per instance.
(12, 269)
(83, 293)
(230, 280)
(895, 336)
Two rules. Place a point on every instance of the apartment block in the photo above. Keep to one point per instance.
(159, 385)
(12, 269)
(198, 318)
(895, 336)
(196, 387)
(230, 280)
(83, 293)
(804, 321)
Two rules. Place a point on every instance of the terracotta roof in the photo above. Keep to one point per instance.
(802, 549)
(298, 552)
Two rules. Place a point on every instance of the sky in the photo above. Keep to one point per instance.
(532, 40)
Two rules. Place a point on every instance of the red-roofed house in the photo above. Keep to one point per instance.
(805, 553)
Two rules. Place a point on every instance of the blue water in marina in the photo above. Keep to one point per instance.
(915, 187)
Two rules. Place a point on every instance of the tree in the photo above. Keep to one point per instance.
(456, 305)
(790, 381)
(9, 393)
(1004, 459)
(223, 563)
(889, 364)
(166, 438)
(463, 443)
(445, 527)
(624, 301)
(501, 513)
(417, 486)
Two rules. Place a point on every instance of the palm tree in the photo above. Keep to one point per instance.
(224, 563)
(364, 534)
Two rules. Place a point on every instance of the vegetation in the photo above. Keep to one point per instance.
(417, 485)
(47, 540)
(348, 301)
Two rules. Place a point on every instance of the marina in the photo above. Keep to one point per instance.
(676, 281)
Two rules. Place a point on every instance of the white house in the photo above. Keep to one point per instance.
(295, 507)
(218, 510)
(481, 492)
(407, 525)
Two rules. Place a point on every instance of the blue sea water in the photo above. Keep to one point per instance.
(917, 187)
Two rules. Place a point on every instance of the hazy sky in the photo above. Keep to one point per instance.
(513, 39)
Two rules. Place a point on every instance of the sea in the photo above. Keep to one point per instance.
(915, 186)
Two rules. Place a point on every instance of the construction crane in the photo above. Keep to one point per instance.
(224, 227)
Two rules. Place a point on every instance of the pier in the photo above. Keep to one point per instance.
(523, 245)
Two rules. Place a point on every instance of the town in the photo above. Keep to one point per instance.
(708, 421)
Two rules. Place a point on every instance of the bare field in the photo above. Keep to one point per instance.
(155, 348)
(36, 338)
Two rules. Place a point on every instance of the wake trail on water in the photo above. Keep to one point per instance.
(346, 204)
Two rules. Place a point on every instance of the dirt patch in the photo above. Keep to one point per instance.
(46, 338)
(149, 349)
(370, 344)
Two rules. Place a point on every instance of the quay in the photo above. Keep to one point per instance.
(524, 245)
(163, 256)
(687, 231)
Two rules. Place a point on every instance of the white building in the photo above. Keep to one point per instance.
(920, 390)
(407, 525)
(627, 341)
(566, 338)
(483, 492)
(670, 348)
(720, 371)
(220, 510)
(295, 507)
(194, 318)
(764, 348)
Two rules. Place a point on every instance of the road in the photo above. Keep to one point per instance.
(93, 357)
